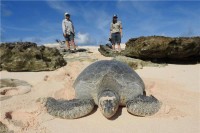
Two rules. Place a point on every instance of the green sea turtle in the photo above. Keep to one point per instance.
(107, 84)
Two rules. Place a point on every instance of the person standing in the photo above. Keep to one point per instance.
(116, 32)
(68, 31)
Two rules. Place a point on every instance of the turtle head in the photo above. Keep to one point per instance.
(108, 103)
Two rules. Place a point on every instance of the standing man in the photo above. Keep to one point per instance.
(116, 32)
(68, 31)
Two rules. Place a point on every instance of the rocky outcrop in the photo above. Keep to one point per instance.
(107, 51)
(137, 63)
(27, 56)
(167, 48)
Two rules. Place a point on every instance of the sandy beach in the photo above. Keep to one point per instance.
(176, 86)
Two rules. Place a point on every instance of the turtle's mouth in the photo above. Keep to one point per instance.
(108, 112)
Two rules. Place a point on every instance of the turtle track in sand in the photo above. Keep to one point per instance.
(13, 87)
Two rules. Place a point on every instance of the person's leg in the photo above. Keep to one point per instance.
(73, 44)
(119, 47)
(68, 45)
(113, 41)
(72, 41)
(113, 46)
(119, 41)
(67, 42)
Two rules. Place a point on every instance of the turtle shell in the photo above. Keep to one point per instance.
(108, 75)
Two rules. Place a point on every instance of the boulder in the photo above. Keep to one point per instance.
(27, 56)
(159, 47)
(137, 63)
(106, 50)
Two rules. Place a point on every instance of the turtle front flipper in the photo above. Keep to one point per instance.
(143, 105)
(69, 109)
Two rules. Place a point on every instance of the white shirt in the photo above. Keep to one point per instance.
(67, 26)
(116, 27)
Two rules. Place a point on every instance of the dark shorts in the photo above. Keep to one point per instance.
(115, 38)
(69, 37)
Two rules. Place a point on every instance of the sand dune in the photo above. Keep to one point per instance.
(176, 86)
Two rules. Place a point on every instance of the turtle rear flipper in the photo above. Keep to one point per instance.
(69, 109)
(143, 105)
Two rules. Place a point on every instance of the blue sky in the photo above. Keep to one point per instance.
(40, 21)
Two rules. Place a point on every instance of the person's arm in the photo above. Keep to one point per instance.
(121, 32)
(121, 29)
(73, 29)
(63, 28)
(111, 29)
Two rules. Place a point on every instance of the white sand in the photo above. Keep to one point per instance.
(176, 86)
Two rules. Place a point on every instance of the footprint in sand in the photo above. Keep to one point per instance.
(3, 128)
(150, 86)
(21, 119)
(170, 111)
(46, 78)
(13, 87)
(168, 108)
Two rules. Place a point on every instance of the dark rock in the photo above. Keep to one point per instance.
(109, 45)
(107, 51)
(27, 56)
(167, 48)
